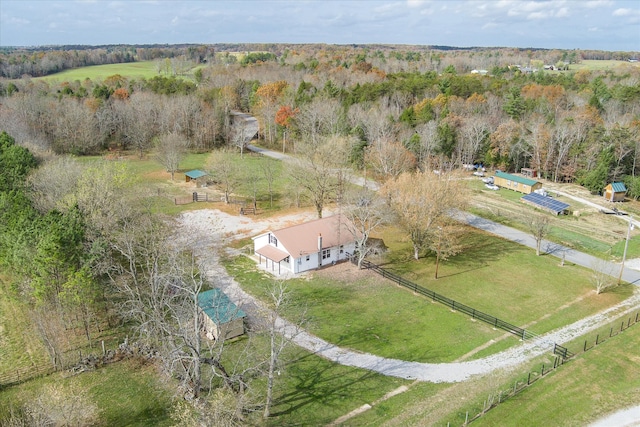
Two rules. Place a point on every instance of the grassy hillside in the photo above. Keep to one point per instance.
(131, 70)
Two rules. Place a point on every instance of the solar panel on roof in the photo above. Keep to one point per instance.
(546, 202)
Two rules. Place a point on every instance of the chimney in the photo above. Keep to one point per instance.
(319, 242)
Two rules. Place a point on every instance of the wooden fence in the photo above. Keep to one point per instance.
(195, 197)
(18, 375)
(454, 305)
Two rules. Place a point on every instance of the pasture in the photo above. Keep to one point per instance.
(130, 70)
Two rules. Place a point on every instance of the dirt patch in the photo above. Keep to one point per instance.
(345, 272)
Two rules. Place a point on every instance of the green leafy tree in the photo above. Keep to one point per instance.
(514, 105)
(597, 179)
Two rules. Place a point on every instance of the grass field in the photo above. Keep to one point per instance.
(347, 310)
(605, 64)
(130, 70)
(18, 349)
(127, 393)
(539, 295)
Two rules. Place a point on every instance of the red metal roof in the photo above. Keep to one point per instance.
(272, 253)
(303, 238)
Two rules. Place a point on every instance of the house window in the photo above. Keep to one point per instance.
(286, 260)
(273, 240)
(326, 253)
(341, 249)
(308, 258)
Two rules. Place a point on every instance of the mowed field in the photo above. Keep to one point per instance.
(603, 64)
(131, 70)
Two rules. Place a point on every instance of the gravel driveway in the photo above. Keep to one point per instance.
(220, 227)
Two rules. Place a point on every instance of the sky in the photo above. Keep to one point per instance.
(612, 25)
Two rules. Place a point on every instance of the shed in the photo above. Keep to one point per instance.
(529, 173)
(515, 182)
(615, 192)
(220, 317)
(195, 175)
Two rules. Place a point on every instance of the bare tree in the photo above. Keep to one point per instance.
(141, 125)
(390, 159)
(225, 172)
(54, 183)
(238, 136)
(365, 212)
(319, 170)
(270, 170)
(602, 275)
(171, 150)
(421, 202)
(446, 241)
(539, 225)
(280, 334)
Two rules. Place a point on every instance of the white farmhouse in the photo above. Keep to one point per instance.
(305, 246)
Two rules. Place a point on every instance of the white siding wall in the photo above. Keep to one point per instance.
(260, 241)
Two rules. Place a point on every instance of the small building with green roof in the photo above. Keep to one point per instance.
(516, 182)
(195, 175)
(220, 317)
(615, 192)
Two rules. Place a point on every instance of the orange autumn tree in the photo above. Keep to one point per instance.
(268, 97)
(283, 118)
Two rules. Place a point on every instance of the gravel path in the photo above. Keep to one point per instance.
(220, 226)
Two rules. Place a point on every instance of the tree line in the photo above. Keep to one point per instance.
(428, 110)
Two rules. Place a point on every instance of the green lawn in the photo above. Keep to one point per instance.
(314, 391)
(18, 349)
(130, 70)
(594, 384)
(538, 295)
(127, 393)
(505, 279)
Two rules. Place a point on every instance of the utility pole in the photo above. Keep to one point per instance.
(626, 244)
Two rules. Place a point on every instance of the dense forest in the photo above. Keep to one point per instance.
(507, 108)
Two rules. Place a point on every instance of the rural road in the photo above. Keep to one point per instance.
(461, 371)
(570, 255)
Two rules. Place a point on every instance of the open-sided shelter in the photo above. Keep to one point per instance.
(220, 317)
(516, 183)
(195, 175)
(305, 246)
(615, 192)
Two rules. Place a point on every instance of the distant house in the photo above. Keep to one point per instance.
(615, 192)
(195, 175)
(220, 317)
(516, 183)
(305, 246)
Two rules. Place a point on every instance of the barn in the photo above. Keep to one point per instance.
(220, 317)
(615, 192)
(516, 183)
(305, 246)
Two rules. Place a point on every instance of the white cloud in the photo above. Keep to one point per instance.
(563, 12)
(19, 21)
(592, 4)
(416, 3)
(622, 12)
(594, 29)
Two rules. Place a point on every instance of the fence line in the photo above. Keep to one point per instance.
(534, 376)
(23, 374)
(195, 197)
(521, 333)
